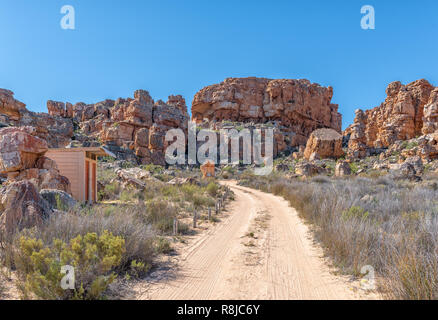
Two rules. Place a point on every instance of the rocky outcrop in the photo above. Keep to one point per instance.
(399, 117)
(58, 199)
(357, 144)
(19, 149)
(430, 120)
(22, 158)
(324, 143)
(307, 169)
(297, 107)
(21, 207)
(133, 178)
(9, 106)
(133, 129)
(125, 126)
(342, 169)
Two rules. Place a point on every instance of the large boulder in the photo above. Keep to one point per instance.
(324, 143)
(417, 163)
(405, 170)
(342, 169)
(307, 169)
(357, 142)
(21, 158)
(56, 108)
(21, 207)
(19, 149)
(9, 106)
(58, 199)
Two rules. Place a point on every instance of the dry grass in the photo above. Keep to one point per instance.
(391, 226)
(143, 219)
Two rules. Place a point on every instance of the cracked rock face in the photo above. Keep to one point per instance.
(297, 105)
(21, 207)
(125, 126)
(324, 143)
(407, 112)
(19, 149)
(9, 106)
(430, 120)
(133, 129)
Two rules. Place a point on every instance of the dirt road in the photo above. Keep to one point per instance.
(261, 250)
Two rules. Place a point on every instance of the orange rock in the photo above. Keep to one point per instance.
(21, 206)
(208, 169)
(298, 105)
(19, 149)
(324, 143)
(400, 117)
(430, 120)
(10, 106)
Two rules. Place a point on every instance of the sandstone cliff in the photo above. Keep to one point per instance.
(133, 128)
(407, 112)
(297, 107)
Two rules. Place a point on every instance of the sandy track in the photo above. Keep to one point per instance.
(261, 250)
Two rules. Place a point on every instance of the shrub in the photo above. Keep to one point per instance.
(124, 221)
(162, 245)
(111, 191)
(154, 169)
(226, 175)
(93, 258)
(355, 212)
(212, 189)
(161, 215)
(392, 226)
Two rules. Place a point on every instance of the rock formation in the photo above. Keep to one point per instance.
(132, 128)
(22, 158)
(342, 169)
(9, 106)
(324, 143)
(19, 149)
(399, 117)
(430, 120)
(21, 206)
(357, 145)
(296, 107)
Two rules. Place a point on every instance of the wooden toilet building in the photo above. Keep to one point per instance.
(79, 165)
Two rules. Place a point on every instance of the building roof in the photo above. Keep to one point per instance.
(98, 151)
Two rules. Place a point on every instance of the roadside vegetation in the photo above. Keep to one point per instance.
(389, 224)
(109, 243)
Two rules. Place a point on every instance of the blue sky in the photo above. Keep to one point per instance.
(178, 47)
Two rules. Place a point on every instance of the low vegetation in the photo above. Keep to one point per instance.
(390, 225)
(108, 243)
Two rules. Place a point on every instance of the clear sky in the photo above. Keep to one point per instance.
(178, 47)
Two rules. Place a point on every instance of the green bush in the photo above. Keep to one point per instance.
(160, 214)
(212, 189)
(162, 245)
(111, 191)
(93, 257)
(154, 169)
(355, 212)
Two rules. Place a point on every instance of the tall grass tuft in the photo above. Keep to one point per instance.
(391, 226)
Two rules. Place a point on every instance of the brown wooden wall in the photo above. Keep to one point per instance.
(72, 166)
